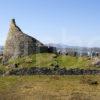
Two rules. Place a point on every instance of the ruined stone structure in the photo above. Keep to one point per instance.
(19, 44)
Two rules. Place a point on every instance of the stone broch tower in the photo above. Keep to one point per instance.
(19, 44)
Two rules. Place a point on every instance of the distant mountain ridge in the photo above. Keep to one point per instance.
(63, 48)
(60, 45)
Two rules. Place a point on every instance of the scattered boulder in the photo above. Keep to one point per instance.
(96, 62)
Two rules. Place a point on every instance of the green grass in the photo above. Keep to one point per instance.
(49, 60)
(40, 87)
(39, 60)
(73, 62)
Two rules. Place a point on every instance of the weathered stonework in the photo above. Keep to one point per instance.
(19, 44)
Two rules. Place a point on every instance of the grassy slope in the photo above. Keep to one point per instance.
(39, 60)
(47, 59)
(73, 62)
(48, 88)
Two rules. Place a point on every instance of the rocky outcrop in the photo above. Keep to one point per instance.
(19, 44)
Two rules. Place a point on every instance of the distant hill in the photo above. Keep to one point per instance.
(58, 45)
(64, 48)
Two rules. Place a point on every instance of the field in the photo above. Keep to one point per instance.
(49, 87)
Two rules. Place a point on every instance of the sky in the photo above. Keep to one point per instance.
(70, 22)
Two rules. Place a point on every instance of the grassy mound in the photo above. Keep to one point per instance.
(50, 60)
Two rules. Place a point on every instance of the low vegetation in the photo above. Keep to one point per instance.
(41, 87)
(50, 59)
